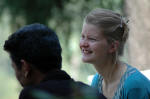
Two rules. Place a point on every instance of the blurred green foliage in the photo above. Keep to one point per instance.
(33, 11)
(63, 16)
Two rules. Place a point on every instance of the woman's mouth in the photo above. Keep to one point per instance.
(84, 51)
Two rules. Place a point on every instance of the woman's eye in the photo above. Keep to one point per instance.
(81, 38)
(92, 39)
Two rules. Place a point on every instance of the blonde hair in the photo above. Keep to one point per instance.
(112, 25)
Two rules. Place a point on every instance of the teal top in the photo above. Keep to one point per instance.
(133, 85)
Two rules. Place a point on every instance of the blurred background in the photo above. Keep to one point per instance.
(66, 17)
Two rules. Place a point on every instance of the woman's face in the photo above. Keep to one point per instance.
(93, 44)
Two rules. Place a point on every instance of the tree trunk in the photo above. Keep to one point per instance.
(138, 12)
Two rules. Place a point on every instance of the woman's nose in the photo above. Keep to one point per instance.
(84, 43)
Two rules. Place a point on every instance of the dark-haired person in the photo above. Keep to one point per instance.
(104, 34)
(35, 52)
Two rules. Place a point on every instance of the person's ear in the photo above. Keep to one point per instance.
(25, 67)
(114, 46)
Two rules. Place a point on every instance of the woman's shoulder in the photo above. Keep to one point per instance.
(136, 85)
(136, 80)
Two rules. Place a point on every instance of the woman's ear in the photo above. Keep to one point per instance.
(114, 46)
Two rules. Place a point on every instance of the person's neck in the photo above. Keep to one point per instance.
(110, 71)
(38, 77)
(42, 76)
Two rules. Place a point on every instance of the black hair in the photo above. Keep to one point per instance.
(38, 45)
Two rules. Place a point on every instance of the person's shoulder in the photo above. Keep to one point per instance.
(136, 86)
(88, 91)
(136, 80)
(34, 92)
(25, 93)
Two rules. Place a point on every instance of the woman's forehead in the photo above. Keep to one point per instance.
(91, 29)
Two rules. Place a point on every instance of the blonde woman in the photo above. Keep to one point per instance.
(104, 34)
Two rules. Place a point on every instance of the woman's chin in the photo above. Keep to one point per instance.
(86, 60)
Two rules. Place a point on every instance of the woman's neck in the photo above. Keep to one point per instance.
(111, 71)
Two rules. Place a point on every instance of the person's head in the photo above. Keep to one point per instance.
(33, 47)
(104, 24)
